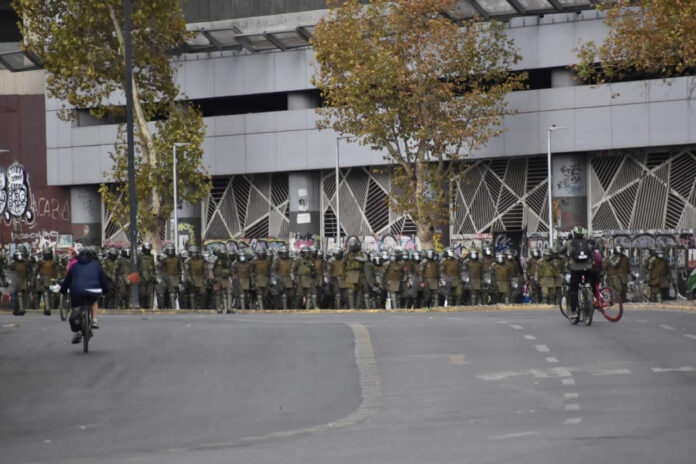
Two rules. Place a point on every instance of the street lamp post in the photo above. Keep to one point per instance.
(176, 216)
(550, 184)
(338, 197)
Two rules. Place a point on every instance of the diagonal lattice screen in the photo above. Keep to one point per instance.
(248, 207)
(644, 190)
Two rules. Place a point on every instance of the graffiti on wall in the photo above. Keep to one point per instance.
(15, 195)
(572, 182)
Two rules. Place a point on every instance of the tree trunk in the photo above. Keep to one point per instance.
(143, 131)
(425, 236)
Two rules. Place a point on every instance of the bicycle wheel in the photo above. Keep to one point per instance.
(585, 302)
(86, 327)
(64, 309)
(563, 304)
(610, 304)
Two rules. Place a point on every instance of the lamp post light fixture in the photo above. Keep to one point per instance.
(550, 130)
(338, 197)
(176, 216)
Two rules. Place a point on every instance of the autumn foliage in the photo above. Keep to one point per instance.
(401, 77)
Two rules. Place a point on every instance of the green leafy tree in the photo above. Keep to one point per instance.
(81, 45)
(398, 76)
(653, 37)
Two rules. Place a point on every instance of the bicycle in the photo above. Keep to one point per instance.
(86, 321)
(64, 300)
(604, 299)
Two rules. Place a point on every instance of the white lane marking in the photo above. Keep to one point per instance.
(693, 337)
(643, 321)
(562, 372)
(573, 420)
(542, 348)
(515, 435)
(612, 372)
(572, 407)
(530, 337)
(570, 395)
(568, 382)
(666, 327)
(551, 360)
(673, 369)
(516, 327)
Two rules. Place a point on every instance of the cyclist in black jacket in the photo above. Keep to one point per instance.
(86, 281)
(580, 263)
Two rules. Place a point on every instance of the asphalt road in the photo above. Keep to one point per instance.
(469, 387)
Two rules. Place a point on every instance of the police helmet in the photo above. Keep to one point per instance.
(146, 248)
(579, 232)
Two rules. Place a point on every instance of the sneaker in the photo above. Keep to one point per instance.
(573, 315)
(95, 324)
(77, 338)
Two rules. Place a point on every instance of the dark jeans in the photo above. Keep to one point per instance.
(575, 277)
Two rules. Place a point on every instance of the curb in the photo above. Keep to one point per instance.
(686, 307)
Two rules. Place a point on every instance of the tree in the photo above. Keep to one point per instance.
(81, 46)
(653, 37)
(399, 76)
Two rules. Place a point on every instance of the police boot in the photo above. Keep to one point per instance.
(172, 300)
(192, 300)
(242, 301)
(219, 302)
(259, 300)
(351, 299)
(474, 299)
(506, 299)
(337, 301)
(658, 295)
(230, 301)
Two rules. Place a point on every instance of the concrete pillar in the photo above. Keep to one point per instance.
(85, 214)
(189, 226)
(304, 202)
(563, 78)
(301, 101)
(569, 191)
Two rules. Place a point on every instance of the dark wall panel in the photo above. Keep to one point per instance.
(214, 10)
(30, 210)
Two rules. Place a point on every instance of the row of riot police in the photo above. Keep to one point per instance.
(32, 275)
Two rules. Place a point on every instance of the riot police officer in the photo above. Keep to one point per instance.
(20, 267)
(658, 274)
(222, 289)
(502, 278)
(304, 275)
(618, 271)
(393, 279)
(146, 286)
(451, 272)
(354, 270)
(47, 273)
(241, 280)
(173, 269)
(123, 270)
(261, 273)
(530, 269)
(430, 276)
(197, 278)
(337, 278)
(282, 266)
(475, 268)
(546, 271)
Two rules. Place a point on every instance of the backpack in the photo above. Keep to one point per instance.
(580, 251)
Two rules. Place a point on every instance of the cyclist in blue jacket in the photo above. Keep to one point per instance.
(86, 281)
